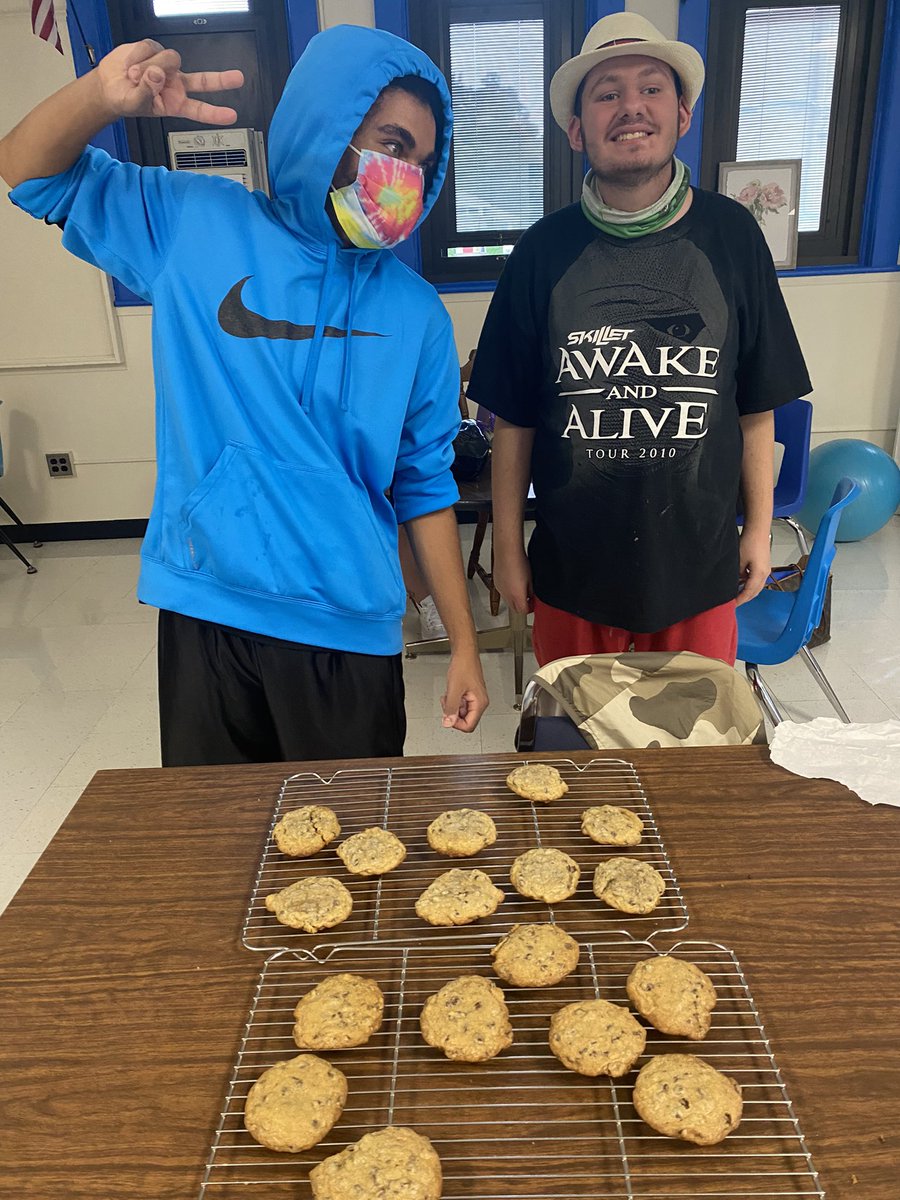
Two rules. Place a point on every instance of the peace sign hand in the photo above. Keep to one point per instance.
(141, 79)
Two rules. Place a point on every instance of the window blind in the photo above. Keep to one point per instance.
(787, 81)
(497, 84)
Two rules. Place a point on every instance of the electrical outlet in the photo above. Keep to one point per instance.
(61, 465)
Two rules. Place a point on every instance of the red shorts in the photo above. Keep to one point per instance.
(558, 634)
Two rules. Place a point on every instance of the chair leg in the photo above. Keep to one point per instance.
(798, 533)
(819, 675)
(32, 570)
(765, 697)
(477, 541)
(525, 735)
(17, 519)
(518, 624)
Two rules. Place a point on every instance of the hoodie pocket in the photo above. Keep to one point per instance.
(306, 534)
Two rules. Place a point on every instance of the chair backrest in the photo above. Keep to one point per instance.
(793, 428)
(630, 701)
(807, 611)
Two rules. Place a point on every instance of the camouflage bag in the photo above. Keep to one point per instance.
(655, 699)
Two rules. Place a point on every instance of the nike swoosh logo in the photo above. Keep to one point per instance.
(239, 321)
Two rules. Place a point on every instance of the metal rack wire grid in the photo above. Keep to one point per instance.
(405, 800)
(522, 1126)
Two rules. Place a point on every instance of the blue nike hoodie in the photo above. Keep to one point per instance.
(296, 381)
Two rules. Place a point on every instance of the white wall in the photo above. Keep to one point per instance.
(848, 326)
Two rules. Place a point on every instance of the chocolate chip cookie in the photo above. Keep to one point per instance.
(306, 830)
(684, 1097)
(315, 903)
(537, 781)
(628, 884)
(461, 832)
(673, 995)
(343, 1010)
(372, 852)
(467, 1019)
(294, 1104)
(458, 897)
(544, 874)
(611, 825)
(390, 1164)
(535, 955)
(594, 1037)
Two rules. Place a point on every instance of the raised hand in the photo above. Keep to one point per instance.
(142, 79)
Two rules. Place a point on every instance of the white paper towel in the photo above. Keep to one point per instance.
(864, 757)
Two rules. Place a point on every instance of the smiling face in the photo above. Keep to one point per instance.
(631, 119)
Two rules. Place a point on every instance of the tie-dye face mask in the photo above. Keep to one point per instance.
(382, 205)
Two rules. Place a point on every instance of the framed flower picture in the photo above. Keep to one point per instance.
(770, 191)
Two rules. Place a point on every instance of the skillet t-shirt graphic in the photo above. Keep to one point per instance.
(633, 361)
(639, 376)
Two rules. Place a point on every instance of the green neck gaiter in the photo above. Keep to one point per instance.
(636, 224)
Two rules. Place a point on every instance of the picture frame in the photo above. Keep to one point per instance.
(770, 190)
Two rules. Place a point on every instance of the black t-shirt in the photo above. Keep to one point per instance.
(633, 360)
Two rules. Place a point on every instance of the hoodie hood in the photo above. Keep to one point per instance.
(328, 93)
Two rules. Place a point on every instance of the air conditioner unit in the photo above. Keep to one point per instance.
(238, 154)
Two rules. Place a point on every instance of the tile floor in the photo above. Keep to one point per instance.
(77, 675)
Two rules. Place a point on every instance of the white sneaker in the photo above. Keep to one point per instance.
(432, 626)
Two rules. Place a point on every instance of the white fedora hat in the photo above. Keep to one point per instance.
(613, 37)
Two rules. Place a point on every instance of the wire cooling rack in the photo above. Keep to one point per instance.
(406, 799)
(520, 1127)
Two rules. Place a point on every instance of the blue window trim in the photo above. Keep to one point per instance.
(693, 28)
(302, 24)
(879, 241)
(393, 17)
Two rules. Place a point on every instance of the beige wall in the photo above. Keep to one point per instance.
(53, 311)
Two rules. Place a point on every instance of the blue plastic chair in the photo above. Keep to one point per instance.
(793, 430)
(774, 626)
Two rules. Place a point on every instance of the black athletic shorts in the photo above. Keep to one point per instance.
(231, 697)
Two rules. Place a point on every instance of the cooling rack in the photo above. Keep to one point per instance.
(520, 1127)
(405, 800)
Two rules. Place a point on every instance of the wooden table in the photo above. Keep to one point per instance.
(124, 990)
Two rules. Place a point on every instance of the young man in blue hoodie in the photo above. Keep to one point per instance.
(301, 374)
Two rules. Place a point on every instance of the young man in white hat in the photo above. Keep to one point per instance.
(634, 351)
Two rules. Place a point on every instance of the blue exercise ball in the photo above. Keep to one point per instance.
(868, 465)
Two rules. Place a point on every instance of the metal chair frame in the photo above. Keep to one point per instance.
(776, 627)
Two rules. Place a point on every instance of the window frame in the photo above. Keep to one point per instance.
(90, 37)
(429, 28)
(851, 128)
(129, 19)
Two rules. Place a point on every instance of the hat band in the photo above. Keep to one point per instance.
(621, 42)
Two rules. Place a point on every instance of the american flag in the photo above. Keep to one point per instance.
(43, 22)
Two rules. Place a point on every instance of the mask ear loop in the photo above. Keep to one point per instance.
(331, 188)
